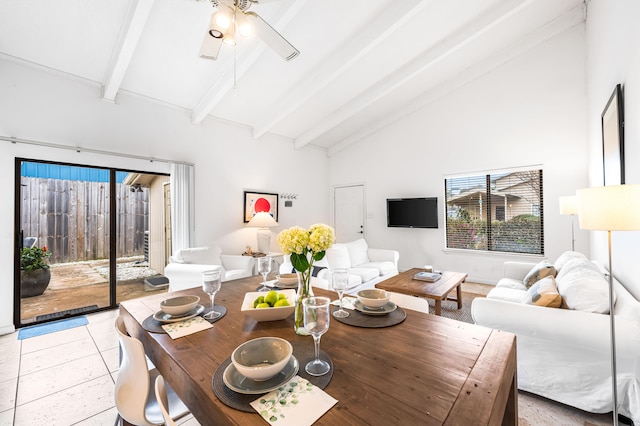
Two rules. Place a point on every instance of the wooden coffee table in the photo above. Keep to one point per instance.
(438, 291)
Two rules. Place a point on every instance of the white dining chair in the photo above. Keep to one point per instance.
(161, 397)
(410, 302)
(135, 395)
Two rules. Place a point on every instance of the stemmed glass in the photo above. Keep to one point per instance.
(316, 321)
(211, 285)
(339, 281)
(264, 267)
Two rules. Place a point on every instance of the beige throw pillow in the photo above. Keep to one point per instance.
(538, 272)
(544, 293)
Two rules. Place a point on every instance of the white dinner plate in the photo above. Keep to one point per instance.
(162, 316)
(241, 384)
(383, 310)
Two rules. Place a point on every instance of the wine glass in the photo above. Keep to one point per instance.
(339, 281)
(264, 267)
(211, 285)
(316, 321)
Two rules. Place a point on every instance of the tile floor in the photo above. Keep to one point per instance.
(67, 378)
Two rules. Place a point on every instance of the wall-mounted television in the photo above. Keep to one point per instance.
(412, 212)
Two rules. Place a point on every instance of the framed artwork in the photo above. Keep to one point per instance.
(255, 202)
(613, 139)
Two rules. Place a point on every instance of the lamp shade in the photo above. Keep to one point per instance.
(262, 220)
(609, 208)
(569, 205)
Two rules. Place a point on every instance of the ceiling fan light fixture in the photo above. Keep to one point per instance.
(243, 26)
(224, 17)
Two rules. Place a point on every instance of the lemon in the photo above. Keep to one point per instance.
(263, 305)
(282, 296)
(281, 302)
(259, 299)
(271, 298)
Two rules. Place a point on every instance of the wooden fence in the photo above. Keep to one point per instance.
(71, 218)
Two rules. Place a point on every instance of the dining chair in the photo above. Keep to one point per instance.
(410, 302)
(161, 397)
(135, 395)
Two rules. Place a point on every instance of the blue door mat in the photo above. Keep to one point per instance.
(52, 327)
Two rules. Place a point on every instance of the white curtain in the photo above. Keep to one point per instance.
(181, 206)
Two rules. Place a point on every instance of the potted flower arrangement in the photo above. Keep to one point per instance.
(305, 247)
(34, 271)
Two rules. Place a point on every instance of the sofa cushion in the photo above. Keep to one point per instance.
(338, 257)
(358, 252)
(511, 283)
(200, 255)
(538, 272)
(383, 268)
(567, 256)
(365, 274)
(583, 287)
(544, 293)
(507, 294)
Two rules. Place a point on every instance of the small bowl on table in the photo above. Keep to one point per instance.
(262, 358)
(288, 279)
(179, 306)
(374, 298)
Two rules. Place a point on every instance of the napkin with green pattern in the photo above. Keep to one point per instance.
(186, 327)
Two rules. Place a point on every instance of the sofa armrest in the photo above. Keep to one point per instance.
(517, 270)
(565, 326)
(383, 255)
(234, 261)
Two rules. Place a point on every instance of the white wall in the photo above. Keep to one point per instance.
(613, 52)
(36, 105)
(530, 111)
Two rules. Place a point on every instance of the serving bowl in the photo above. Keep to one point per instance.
(288, 279)
(268, 314)
(373, 297)
(262, 358)
(181, 305)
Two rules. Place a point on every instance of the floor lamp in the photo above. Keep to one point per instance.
(569, 206)
(263, 221)
(610, 208)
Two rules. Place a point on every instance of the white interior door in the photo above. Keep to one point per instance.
(349, 213)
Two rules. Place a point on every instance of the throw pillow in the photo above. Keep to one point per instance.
(583, 287)
(538, 272)
(358, 252)
(566, 257)
(544, 293)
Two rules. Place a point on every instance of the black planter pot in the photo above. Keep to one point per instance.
(34, 283)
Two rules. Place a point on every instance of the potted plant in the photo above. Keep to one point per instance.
(34, 271)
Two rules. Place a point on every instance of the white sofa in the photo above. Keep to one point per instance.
(185, 267)
(564, 353)
(367, 266)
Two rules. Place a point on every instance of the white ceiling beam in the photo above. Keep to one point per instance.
(481, 25)
(373, 33)
(225, 82)
(550, 30)
(127, 41)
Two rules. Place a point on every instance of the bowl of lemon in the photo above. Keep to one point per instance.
(269, 306)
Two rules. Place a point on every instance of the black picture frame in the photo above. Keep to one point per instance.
(253, 197)
(612, 120)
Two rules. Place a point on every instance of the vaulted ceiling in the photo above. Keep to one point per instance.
(362, 65)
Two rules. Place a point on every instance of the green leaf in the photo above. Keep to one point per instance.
(319, 255)
(299, 262)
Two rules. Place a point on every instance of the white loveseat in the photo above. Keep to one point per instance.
(564, 353)
(186, 266)
(367, 266)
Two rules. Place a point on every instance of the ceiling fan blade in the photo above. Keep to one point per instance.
(271, 37)
(212, 40)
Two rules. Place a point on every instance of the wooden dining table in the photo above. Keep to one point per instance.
(425, 370)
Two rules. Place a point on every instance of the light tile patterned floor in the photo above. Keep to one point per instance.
(67, 378)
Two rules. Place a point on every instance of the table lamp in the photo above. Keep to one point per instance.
(569, 206)
(610, 208)
(263, 221)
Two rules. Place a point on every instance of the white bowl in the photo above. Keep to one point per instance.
(288, 279)
(268, 314)
(180, 305)
(374, 297)
(262, 358)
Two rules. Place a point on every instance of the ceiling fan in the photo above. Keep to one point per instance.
(232, 18)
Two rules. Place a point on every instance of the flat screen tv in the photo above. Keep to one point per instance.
(412, 212)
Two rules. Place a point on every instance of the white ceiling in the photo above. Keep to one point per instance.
(363, 63)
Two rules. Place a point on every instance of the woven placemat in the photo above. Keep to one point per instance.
(154, 326)
(303, 351)
(358, 319)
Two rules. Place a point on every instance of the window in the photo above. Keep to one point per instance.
(495, 212)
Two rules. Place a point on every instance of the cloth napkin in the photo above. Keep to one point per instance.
(347, 302)
(296, 403)
(186, 327)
